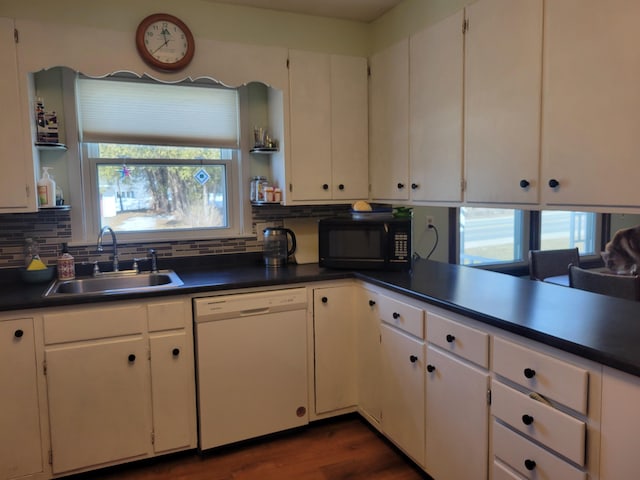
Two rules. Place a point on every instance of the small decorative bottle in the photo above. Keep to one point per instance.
(66, 265)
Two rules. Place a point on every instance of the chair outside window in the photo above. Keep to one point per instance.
(552, 263)
(622, 286)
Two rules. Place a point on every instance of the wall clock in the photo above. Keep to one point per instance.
(165, 42)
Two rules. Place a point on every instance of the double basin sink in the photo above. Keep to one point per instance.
(111, 283)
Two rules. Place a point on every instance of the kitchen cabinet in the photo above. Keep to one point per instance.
(334, 327)
(435, 111)
(17, 184)
(172, 374)
(108, 382)
(389, 123)
(620, 423)
(457, 404)
(591, 104)
(329, 150)
(20, 426)
(368, 352)
(503, 62)
(403, 378)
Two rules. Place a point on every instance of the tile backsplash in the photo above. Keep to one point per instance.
(53, 227)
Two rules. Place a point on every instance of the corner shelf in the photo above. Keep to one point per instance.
(264, 150)
(50, 146)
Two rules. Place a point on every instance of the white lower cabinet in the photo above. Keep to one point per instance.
(619, 457)
(112, 388)
(403, 364)
(20, 427)
(334, 329)
(368, 349)
(457, 418)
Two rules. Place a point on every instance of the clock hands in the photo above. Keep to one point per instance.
(166, 42)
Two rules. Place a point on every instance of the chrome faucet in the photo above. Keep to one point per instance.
(116, 266)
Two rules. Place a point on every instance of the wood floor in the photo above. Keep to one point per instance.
(341, 449)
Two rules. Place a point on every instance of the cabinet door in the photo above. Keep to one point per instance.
(619, 425)
(389, 123)
(349, 128)
(335, 352)
(368, 349)
(457, 418)
(310, 99)
(403, 402)
(172, 391)
(98, 402)
(435, 125)
(14, 161)
(591, 103)
(20, 442)
(503, 52)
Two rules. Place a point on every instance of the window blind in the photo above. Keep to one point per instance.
(119, 111)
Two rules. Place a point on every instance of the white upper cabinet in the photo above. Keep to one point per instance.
(503, 61)
(389, 123)
(591, 144)
(328, 103)
(17, 184)
(435, 111)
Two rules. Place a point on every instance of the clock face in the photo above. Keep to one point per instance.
(165, 42)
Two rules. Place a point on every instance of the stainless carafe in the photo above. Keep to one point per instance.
(276, 246)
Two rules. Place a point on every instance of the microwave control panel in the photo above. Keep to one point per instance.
(400, 245)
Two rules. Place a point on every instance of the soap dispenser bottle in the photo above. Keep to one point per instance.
(66, 265)
(46, 189)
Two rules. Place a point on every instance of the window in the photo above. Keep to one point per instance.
(160, 159)
(489, 236)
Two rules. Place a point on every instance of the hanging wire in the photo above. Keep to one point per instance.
(416, 255)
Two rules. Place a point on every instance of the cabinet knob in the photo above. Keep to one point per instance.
(372, 303)
(414, 186)
(529, 372)
(400, 186)
(527, 419)
(341, 187)
(324, 299)
(132, 358)
(524, 183)
(325, 186)
(18, 333)
(450, 338)
(175, 352)
(431, 368)
(529, 464)
(553, 183)
(395, 315)
(413, 358)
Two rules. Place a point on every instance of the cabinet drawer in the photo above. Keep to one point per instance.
(464, 341)
(549, 426)
(529, 460)
(166, 315)
(402, 315)
(541, 373)
(91, 323)
(502, 472)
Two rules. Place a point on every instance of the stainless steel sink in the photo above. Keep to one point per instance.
(115, 282)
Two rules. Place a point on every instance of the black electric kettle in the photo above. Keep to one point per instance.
(276, 249)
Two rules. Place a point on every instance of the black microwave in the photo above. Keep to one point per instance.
(361, 242)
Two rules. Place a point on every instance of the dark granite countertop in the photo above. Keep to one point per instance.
(599, 328)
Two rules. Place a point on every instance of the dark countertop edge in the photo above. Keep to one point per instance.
(434, 284)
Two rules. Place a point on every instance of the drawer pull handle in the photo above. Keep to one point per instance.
(529, 372)
(18, 333)
(132, 358)
(413, 358)
(527, 419)
(529, 464)
(372, 303)
(431, 368)
(396, 315)
(451, 338)
(325, 299)
(175, 352)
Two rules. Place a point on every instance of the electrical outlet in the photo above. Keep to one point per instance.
(429, 220)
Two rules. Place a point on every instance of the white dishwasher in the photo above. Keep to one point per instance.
(251, 364)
